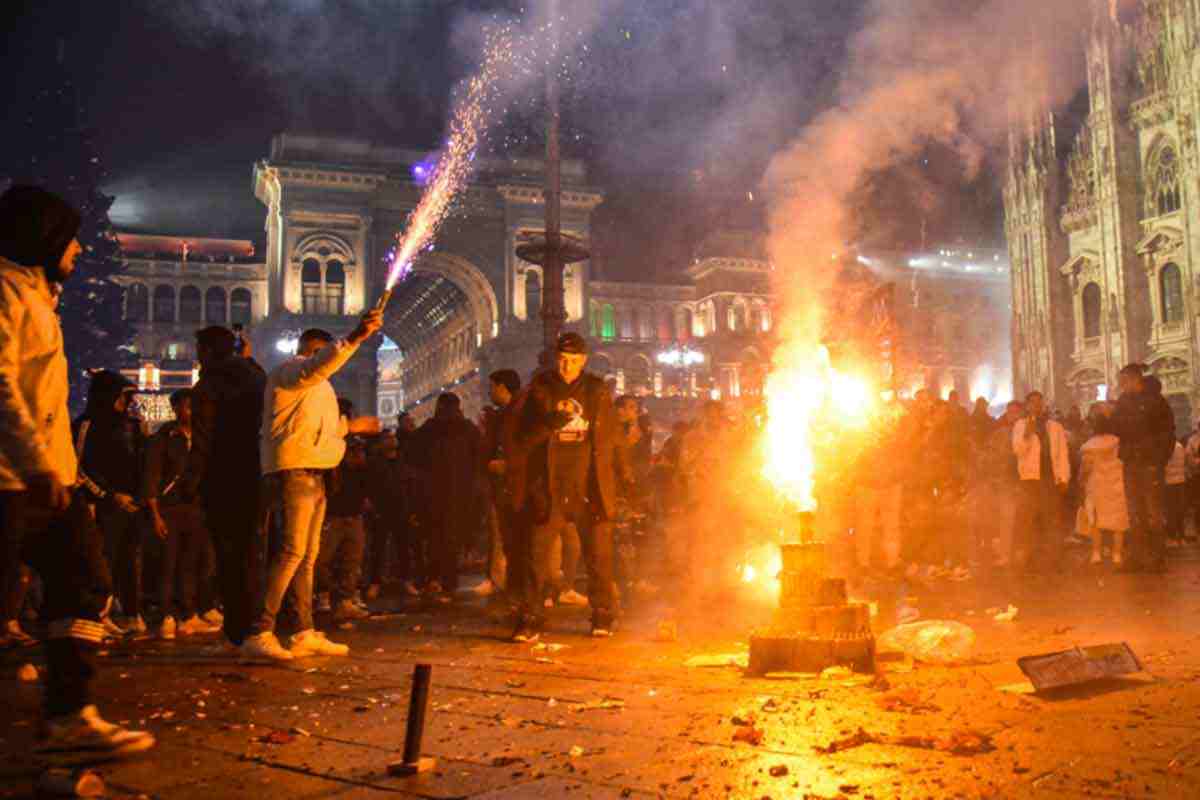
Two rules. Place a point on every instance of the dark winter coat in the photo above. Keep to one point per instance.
(166, 460)
(533, 447)
(1146, 426)
(110, 446)
(445, 451)
(227, 410)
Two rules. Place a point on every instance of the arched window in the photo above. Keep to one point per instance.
(137, 302)
(1170, 282)
(638, 379)
(214, 306)
(626, 323)
(737, 317)
(310, 286)
(164, 303)
(1165, 194)
(646, 324)
(610, 322)
(533, 294)
(191, 305)
(335, 287)
(241, 306)
(1091, 311)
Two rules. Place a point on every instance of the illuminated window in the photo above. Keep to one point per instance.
(241, 306)
(596, 317)
(1170, 282)
(1165, 192)
(310, 285)
(610, 321)
(335, 287)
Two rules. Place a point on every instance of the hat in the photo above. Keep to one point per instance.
(572, 343)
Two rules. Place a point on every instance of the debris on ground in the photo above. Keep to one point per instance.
(931, 641)
(576, 751)
(1079, 665)
(507, 761)
(545, 647)
(750, 734)
(27, 673)
(908, 701)
(779, 771)
(513, 683)
(836, 673)
(1008, 615)
(300, 732)
(277, 737)
(68, 783)
(741, 660)
(666, 631)
(959, 743)
(610, 703)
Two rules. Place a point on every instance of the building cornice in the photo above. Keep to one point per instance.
(532, 195)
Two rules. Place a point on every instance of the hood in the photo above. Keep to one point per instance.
(35, 226)
(106, 386)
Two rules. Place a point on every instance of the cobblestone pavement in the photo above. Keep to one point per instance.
(626, 717)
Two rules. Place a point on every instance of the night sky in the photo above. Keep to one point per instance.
(676, 104)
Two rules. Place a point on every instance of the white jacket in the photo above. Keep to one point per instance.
(302, 428)
(1029, 452)
(1104, 493)
(35, 428)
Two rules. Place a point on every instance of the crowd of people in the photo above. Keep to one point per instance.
(267, 503)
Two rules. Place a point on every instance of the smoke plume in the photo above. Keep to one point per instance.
(949, 73)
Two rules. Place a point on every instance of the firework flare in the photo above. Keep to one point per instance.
(454, 164)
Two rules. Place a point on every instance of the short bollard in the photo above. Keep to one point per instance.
(418, 703)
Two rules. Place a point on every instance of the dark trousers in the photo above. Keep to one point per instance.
(597, 534)
(339, 564)
(1037, 527)
(238, 529)
(446, 535)
(1176, 510)
(187, 562)
(515, 536)
(123, 536)
(1145, 493)
(391, 548)
(67, 550)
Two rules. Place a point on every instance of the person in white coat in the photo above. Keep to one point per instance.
(1103, 480)
(1044, 469)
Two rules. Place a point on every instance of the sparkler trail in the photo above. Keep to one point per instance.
(453, 169)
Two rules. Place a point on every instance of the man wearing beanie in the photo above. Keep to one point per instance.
(568, 430)
(45, 520)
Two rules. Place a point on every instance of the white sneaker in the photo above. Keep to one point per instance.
(111, 629)
(17, 637)
(314, 643)
(485, 589)
(86, 733)
(194, 625)
(213, 617)
(265, 646)
(166, 629)
(347, 610)
(572, 598)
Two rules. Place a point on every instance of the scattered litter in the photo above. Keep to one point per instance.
(27, 673)
(277, 737)
(908, 701)
(346, 626)
(931, 641)
(230, 677)
(959, 743)
(604, 703)
(750, 734)
(1079, 665)
(507, 761)
(300, 732)
(667, 631)
(836, 673)
(67, 783)
(1008, 615)
(309, 690)
(779, 771)
(546, 647)
(513, 683)
(416, 629)
(552, 702)
(361, 709)
(576, 751)
(741, 660)
(1065, 629)
(545, 660)
(770, 705)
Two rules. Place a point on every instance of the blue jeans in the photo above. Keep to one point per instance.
(297, 500)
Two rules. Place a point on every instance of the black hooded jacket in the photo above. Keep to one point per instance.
(110, 446)
(445, 451)
(227, 410)
(1145, 424)
(35, 227)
